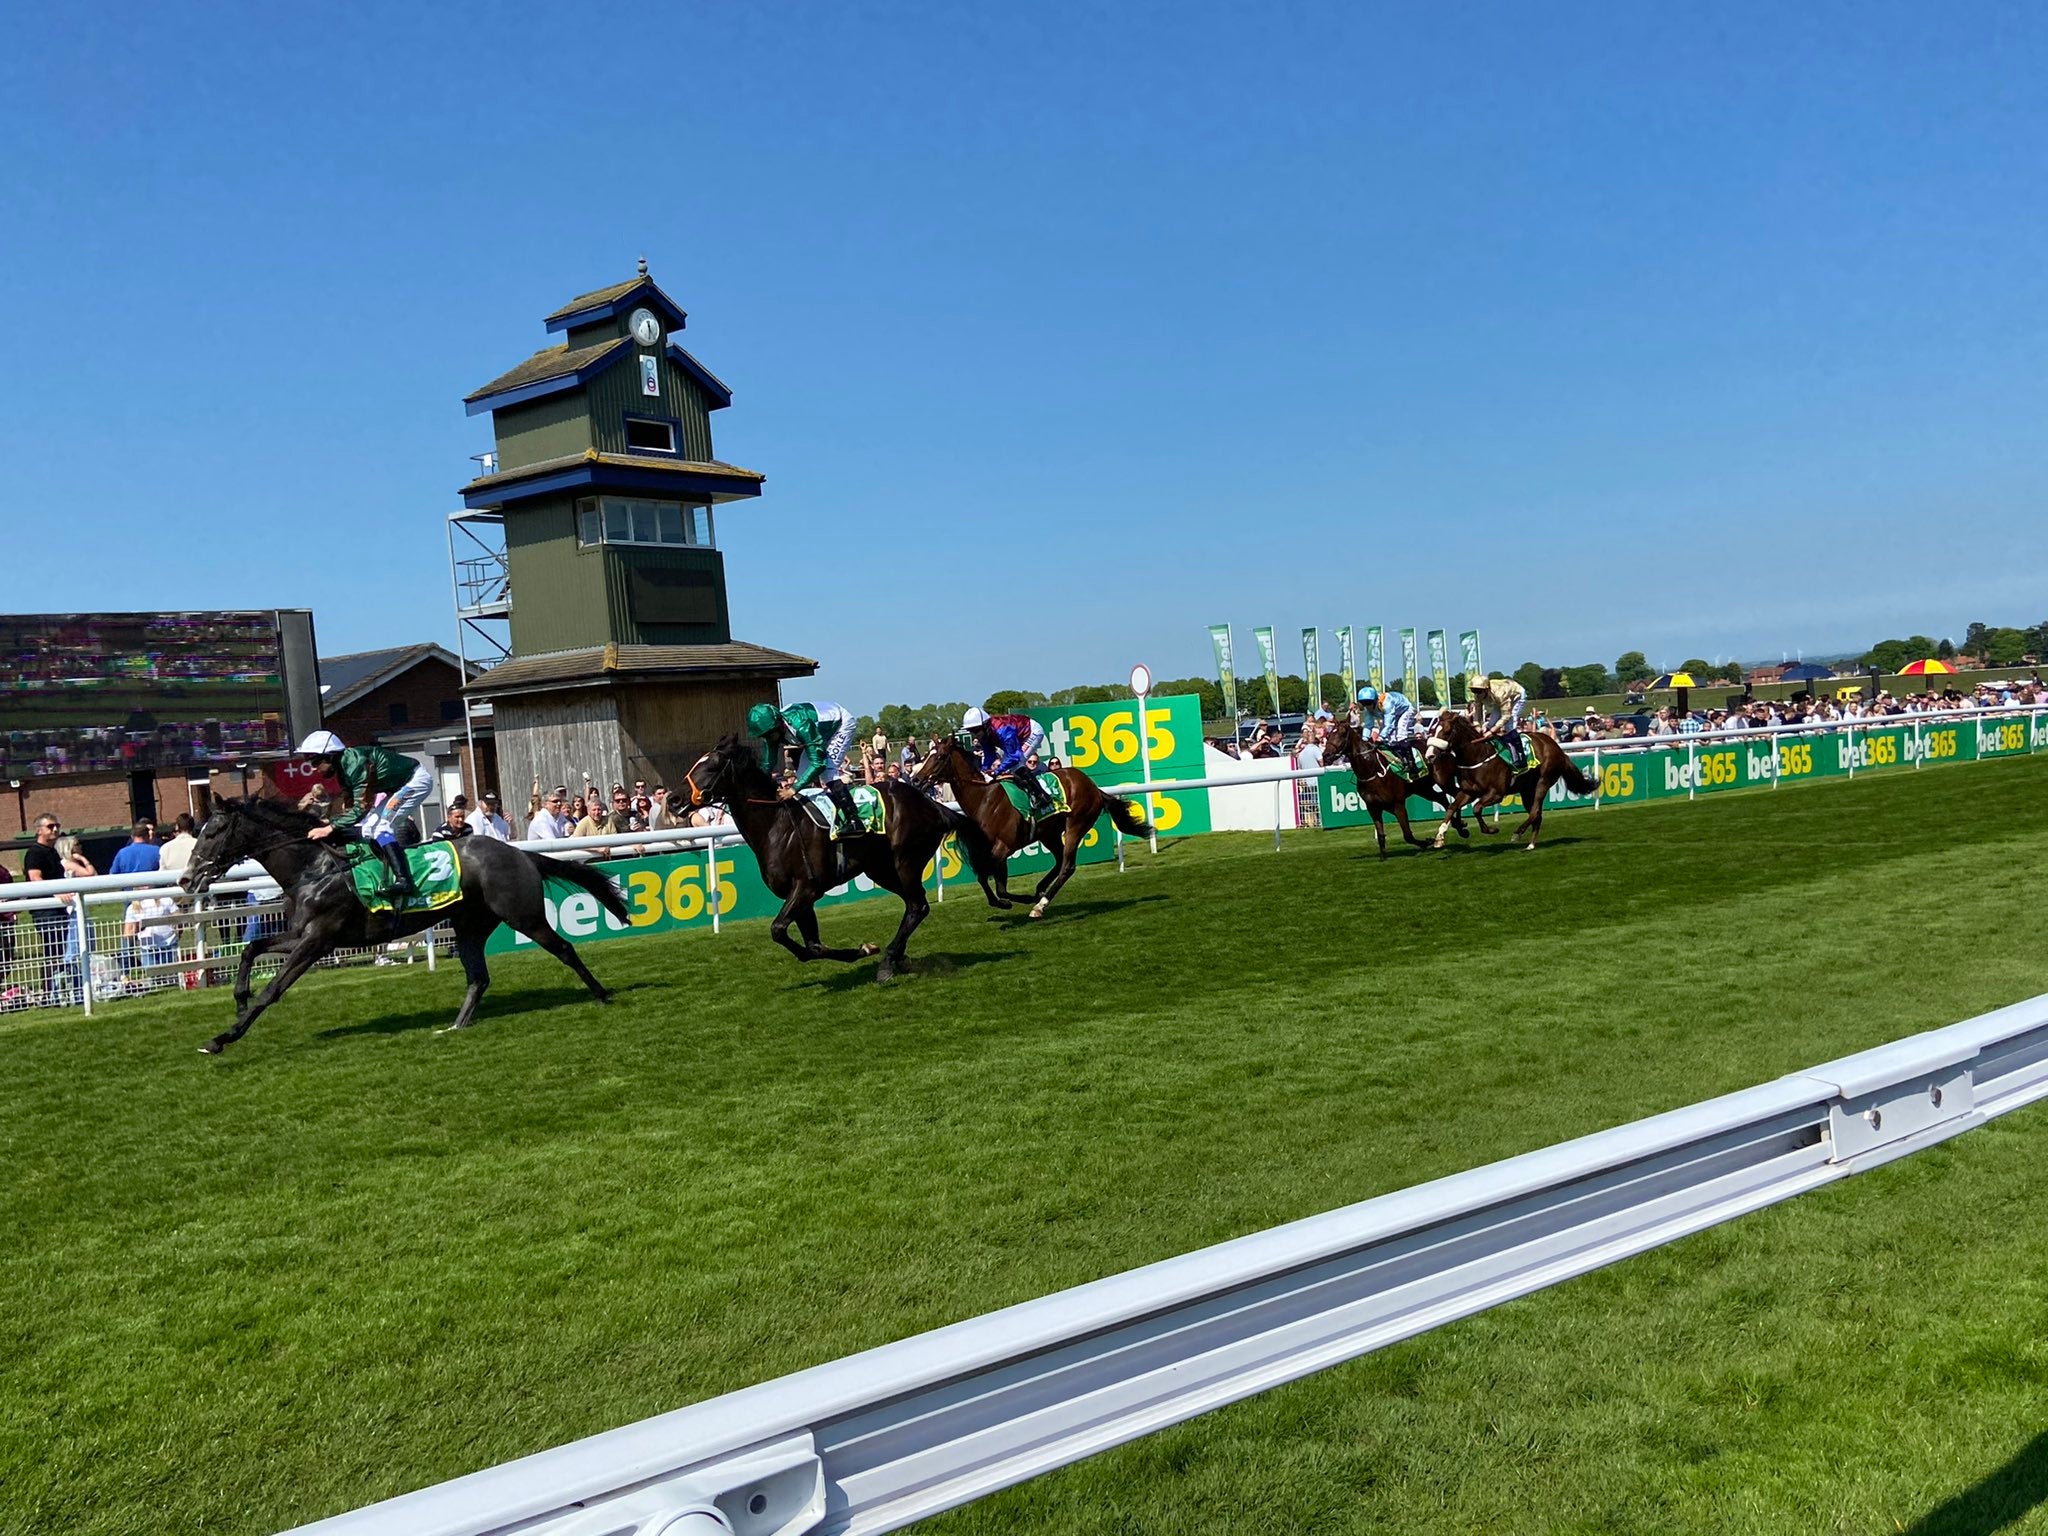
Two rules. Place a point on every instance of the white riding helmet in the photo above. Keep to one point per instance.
(321, 744)
(972, 718)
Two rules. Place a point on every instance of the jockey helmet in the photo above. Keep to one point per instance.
(1477, 683)
(321, 744)
(1368, 694)
(762, 719)
(972, 718)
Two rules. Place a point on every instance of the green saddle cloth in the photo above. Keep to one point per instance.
(1055, 791)
(436, 876)
(869, 801)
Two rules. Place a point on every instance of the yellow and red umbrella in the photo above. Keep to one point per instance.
(1928, 668)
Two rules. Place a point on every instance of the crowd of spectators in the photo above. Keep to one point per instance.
(1791, 714)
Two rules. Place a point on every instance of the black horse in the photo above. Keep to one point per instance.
(500, 883)
(799, 860)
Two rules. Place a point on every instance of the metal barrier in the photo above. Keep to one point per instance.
(877, 1440)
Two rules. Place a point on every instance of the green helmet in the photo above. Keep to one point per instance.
(762, 719)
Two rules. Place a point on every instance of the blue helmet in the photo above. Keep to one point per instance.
(1368, 694)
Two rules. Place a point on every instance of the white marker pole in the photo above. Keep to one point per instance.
(1141, 684)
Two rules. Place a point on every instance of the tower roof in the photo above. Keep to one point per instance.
(603, 303)
(548, 370)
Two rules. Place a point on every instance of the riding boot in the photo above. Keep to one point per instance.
(1520, 750)
(399, 886)
(1034, 792)
(842, 797)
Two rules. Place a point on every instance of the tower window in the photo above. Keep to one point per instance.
(630, 520)
(646, 436)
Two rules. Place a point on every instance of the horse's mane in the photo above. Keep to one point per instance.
(745, 764)
(276, 813)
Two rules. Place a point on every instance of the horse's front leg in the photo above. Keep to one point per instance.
(916, 907)
(312, 946)
(801, 909)
(1379, 831)
(250, 954)
(1062, 868)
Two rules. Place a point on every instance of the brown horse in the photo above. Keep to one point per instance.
(1465, 765)
(1007, 830)
(800, 861)
(1384, 791)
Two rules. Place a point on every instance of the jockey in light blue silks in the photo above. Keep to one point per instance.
(1005, 741)
(1389, 720)
(822, 733)
(1497, 704)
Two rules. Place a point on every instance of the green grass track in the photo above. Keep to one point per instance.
(353, 1256)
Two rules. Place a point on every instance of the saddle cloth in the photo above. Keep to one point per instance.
(1054, 789)
(874, 811)
(436, 876)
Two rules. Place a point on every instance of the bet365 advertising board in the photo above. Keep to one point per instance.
(671, 890)
(1712, 766)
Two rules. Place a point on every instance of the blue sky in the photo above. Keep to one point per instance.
(1063, 331)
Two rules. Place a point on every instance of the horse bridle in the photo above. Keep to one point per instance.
(698, 798)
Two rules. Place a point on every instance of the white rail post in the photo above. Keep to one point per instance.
(1692, 768)
(1919, 747)
(711, 882)
(1282, 788)
(1849, 736)
(82, 931)
(1599, 779)
(1141, 684)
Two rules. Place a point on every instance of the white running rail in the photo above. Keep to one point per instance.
(877, 1440)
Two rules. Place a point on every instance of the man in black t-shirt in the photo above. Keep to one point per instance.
(42, 862)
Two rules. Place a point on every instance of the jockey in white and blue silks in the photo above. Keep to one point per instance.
(1005, 741)
(1389, 719)
(1497, 704)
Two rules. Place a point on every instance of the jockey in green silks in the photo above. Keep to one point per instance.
(822, 733)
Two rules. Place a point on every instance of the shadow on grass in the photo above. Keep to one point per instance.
(2002, 1499)
(1084, 908)
(861, 973)
(497, 1004)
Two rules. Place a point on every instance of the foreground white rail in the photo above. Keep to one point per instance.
(877, 1440)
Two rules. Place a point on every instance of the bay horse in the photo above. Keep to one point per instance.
(1384, 791)
(501, 883)
(799, 860)
(1464, 763)
(1006, 829)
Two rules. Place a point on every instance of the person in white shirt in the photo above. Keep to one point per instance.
(552, 819)
(490, 821)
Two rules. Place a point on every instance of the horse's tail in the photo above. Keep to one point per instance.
(582, 876)
(1128, 815)
(1573, 777)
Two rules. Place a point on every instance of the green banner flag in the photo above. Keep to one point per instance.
(1312, 654)
(1440, 666)
(1468, 652)
(1226, 668)
(1408, 662)
(1376, 656)
(1264, 635)
(1347, 664)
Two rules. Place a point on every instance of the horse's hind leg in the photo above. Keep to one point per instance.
(1379, 830)
(1407, 832)
(309, 950)
(915, 909)
(1532, 802)
(1062, 870)
(565, 952)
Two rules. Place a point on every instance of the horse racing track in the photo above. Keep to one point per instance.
(356, 1256)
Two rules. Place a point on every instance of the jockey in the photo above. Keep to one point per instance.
(1392, 725)
(365, 774)
(1004, 742)
(1497, 708)
(822, 733)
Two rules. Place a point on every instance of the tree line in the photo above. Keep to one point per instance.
(1993, 646)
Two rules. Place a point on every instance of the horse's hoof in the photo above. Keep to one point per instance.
(211, 1048)
(872, 949)
(884, 973)
(1039, 910)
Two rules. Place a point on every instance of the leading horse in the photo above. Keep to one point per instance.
(1463, 760)
(800, 861)
(1007, 829)
(1384, 791)
(322, 913)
